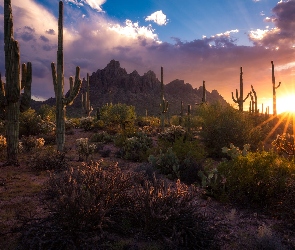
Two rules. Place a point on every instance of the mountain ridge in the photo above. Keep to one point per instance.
(114, 85)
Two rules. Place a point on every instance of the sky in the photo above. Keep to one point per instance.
(194, 40)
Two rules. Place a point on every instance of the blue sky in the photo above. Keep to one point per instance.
(194, 40)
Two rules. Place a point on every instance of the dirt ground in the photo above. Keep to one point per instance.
(20, 193)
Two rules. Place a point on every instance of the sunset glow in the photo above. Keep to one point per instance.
(286, 104)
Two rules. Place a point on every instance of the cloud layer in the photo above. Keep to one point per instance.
(91, 40)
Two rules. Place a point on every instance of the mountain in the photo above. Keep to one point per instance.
(114, 85)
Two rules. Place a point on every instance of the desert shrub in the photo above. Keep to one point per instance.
(86, 123)
(91, 202)
(167, 162)
(88, 197)
(102, 137)
(31, 142)
(152, 121)
(285, 143)
(48, 159)
(31, 124)
(259, 178)
(3, 143)
(182, 159)
(47, 112)
(69, 124)
(84, 149)
(171, 134)
(166, 211)
(136, 147)
(118, 116)
(222, 125)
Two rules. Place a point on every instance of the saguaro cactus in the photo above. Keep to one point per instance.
(204, 98)
(10, 93)
(58, 83)
(240, 99)
(164, 104)
(86, 100)
(274, 87)
(254, 101)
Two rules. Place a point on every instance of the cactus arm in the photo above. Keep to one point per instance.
(232, 94)
(74, 88)
(26, 85)
(278, 85)
(247, 97)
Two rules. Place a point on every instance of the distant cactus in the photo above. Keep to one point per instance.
(240, 99)
(86, 99)
(11, 99)
(274, 87)
(254, 108)
(181, 113)
(164, 104)
(58, 83)
(189, 109)
(204, 98)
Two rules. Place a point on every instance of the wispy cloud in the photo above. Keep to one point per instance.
(158, 17)
(94, 4)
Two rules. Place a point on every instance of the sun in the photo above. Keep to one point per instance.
(286, 103)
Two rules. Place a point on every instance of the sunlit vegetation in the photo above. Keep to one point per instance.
(94, 196)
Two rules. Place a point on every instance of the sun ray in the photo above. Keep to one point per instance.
(282, 117)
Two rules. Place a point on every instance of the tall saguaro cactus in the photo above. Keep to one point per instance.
(11, 99)
(274, 87)
(86, 99)
(58, 83)
(164, 103)
(240, 99)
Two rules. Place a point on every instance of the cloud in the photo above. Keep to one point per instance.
(44, 38)
(50, 32)
(282, 34)
(158, 17)
(94, 4)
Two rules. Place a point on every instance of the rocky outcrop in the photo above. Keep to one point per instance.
(114, 85)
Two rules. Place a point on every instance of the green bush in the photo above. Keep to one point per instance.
(31, 124)
(48, 159)
(30, 142)
(259, 178)
(222, 125)
(120, 117)
(102, 137)
(86, 123)
(136, 147)
(47, 112)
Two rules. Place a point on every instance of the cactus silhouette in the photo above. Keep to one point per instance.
(254, 101)
(274, 87)
(240, 99)
(58, 83)
(164, 104)
(86, 99)
(11, 100)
